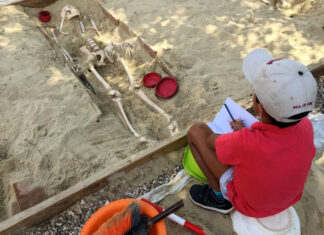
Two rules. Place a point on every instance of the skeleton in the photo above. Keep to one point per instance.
(68, 12)
(109, 54)
(126, 49)
(92, 60)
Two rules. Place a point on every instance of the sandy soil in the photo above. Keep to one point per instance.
(53, 130)
(204, 41)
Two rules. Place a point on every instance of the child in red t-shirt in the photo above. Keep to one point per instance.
(260, 171)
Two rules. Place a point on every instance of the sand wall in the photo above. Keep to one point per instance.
(52, 129)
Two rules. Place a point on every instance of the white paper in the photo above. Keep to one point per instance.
(221, 123)
(318, 127)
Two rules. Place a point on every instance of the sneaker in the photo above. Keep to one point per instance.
(203, 195)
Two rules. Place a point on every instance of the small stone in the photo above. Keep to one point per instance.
(71, 213)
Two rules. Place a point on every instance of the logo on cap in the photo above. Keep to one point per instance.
(271, 61)
(302, 105)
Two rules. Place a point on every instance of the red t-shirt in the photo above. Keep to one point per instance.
(270, 166)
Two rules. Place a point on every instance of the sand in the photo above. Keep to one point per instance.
(52, 129)
(55, 131)
(204, 42)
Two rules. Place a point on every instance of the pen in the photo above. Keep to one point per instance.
(229, 113)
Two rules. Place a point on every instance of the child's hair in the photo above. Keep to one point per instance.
(286, 124)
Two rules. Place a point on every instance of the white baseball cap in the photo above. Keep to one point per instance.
(284, 87)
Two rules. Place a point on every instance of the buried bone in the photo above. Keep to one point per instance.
(96, 57)
(92, 44)
(126, 49)
(173, 126)
(68, 12)
(130, 76)
(94, 26)
(152, 104)
(113, 93)
(91, 60)
(116, 98)
(110, 51)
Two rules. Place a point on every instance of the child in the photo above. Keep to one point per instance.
(260, 171)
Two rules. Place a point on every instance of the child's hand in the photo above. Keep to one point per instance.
(237, 125)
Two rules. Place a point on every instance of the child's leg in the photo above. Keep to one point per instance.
(204, 153)
(202, 145)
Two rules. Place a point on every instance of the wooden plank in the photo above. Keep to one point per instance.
(27, 3)
(317, 71)
(9, 2)
(65, 199)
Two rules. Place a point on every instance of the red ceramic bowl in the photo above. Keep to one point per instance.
(166, 88)
(45, 16)
(151, 79)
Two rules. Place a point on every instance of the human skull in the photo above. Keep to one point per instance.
(69, 12)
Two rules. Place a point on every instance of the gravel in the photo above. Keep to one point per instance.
(71, 220)
(319, 104)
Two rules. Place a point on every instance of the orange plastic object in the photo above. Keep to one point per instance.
(107, 211)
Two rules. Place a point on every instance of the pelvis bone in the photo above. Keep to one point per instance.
(97, 57)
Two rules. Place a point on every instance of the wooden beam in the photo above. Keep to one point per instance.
(9, 2)
(317, 71)
(28, 3)
(65, 199)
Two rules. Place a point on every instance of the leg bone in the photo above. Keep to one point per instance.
(117, 98)
(173, 128)
(125, 119)
(152, 104)
(101, 79)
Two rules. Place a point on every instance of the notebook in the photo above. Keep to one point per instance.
(221, 123)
